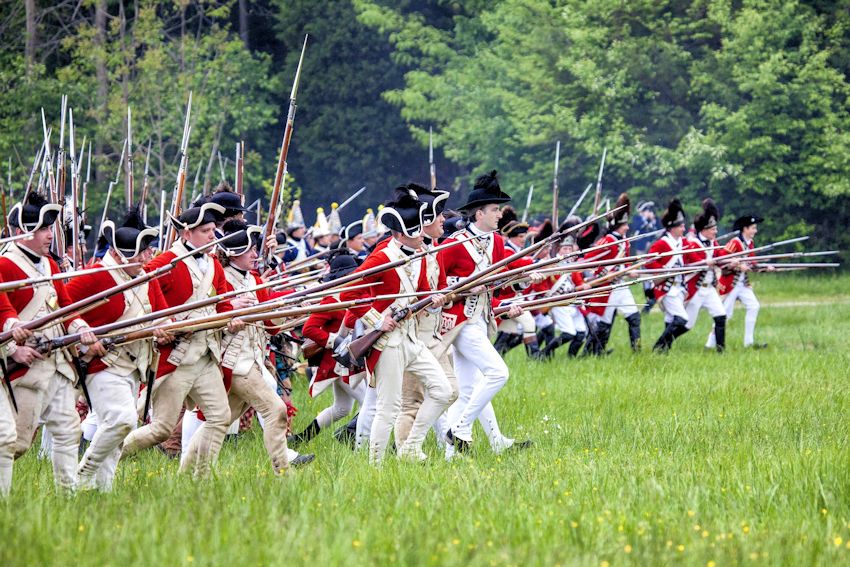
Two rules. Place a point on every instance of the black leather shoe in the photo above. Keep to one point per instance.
(759, 346)
(344, 436)
(460, 445)
(521, 445)
(302, 459)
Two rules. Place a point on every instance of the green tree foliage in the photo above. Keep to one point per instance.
(745, 102)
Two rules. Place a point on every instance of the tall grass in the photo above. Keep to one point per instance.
(688, 458)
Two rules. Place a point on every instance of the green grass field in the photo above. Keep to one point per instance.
(691, 458)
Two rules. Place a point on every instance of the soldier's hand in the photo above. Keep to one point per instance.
(236, 325)
(87, 337)
(20, 334)
(582, 287)
(478, 289)
(515, 311)
(438, 300)
(536, 277)
(388, 324)
(26, 355)
(744, 267)
(242, 302)
(97, 349)
(162, 336)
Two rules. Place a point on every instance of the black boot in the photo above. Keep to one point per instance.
(675, 328)
(649, 294)
(633, 321)
(575, 344)
(720, 332)
(561, 339)
(305, 436)
(546, 334)
(347, 433)
(532, 349)
(501, 343)
(603, 333)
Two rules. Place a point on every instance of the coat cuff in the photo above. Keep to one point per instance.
(331, 339)
(75, 326)
(371, 319)
(10, 322)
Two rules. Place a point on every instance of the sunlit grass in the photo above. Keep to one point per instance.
(687, 458)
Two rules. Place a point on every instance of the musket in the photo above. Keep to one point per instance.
(76, 253)
(220, 166)
(84, 195)
(195, 184)
(598, 198)
(240, 157)
(799, 266)
(432, 167)
(580, 200)
(180, 184)
(145, 182)
(787, 255)
(75, 307)
(35, 164)
(350, 199)
(555, 185)
(281, 162)
(112, 184)
(726, 257)
(528, 203)
(162, 197)
(7, 286)
(358, 348)
(129, 188)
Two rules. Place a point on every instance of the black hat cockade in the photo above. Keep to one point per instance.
(747, 220)
(404, 214)
(33, 214)
(620, 217)
(239, 238)
(486, 191)
(674, 215)
(199, 215)
(131, 237)
(709, 216)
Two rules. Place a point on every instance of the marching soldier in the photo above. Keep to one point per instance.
(465, 324)
(399, 350)
(244, 351)
(113, 377)
(323, 328)
(620, 300)
(522, 329)
(190, 366)
(352, 239)
(670, 292)
(44, 387)
(702, 286)
(8, 430)
(735, 282)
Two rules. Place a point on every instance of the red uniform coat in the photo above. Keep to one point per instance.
(456, 264)
(322, 328)
(88, 285)
(19, 298)
(695, 252)
(388, 283)
(661, 246)
(176, 287)
(615, 249)
(729, 277)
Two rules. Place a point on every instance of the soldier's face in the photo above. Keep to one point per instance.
(435, 229)
(488, 216)
(750, 231)
(356, 243)
(677, 231)
(40, 241)
(710, 233)
(200, 236)
(414, 242)
(246, 261)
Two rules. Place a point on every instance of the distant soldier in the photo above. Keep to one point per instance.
(670, 291)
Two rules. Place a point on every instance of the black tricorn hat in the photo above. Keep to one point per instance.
(588, 235)
(674, 215)
(485, 192)
(131, 237)
(232, 202)
(341, 264)
(509, 224)
(745, 221)
(404, 215)
(623, 216)
(546, 230)
(708, 217)
(240, 238)
(34, 213)
(435, 199)
(196, 216)
(351, 231)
